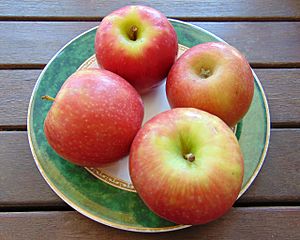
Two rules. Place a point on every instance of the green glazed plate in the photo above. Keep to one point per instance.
(106, 195)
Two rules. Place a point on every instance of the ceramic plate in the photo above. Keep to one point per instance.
(106, 194)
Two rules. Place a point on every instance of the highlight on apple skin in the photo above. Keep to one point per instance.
(214, 77)
(187, 166)
(139, 44)
(94, 118)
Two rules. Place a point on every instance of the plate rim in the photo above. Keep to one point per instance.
(124, 226)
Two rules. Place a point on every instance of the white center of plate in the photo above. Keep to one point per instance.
(117, 173)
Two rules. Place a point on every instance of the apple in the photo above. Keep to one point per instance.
(94, 118)
(139, 44)
(187, 166)
(214, 77)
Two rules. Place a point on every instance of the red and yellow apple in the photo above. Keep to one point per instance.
(187, 166)
(139, 44)
(214, 77)
(94, 118)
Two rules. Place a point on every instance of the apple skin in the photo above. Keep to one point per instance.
(227, 92)
(94, 118)
(176, 189)
(143, 62)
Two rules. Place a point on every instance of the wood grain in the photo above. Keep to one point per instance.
(239, 223)
(20, 181)
(265, 45)
(16, 87)
(282, 87)
(22, 185)
(204, 10)
(279, 179)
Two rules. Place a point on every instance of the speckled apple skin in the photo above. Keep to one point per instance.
(176, 189)
(227, 93)
(144, 62)
(94, 118)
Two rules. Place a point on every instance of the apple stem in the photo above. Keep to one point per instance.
(205, 73)
(48, 98)
(133, 33)
(190, 157)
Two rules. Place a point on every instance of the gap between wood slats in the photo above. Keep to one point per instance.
(187, 19)
(13, 128)
(273, 125)
(253, 65)
(68, 208)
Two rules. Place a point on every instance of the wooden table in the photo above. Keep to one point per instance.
(267, 32)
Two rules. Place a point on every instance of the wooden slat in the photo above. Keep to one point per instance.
(242, 9)
(35, 42)
(22, 185)
(264, 44)
(239, 223)
(279, 179)
(282, 87)
(20, 181)
(16, 87)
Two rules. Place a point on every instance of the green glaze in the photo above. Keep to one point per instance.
(96, 199)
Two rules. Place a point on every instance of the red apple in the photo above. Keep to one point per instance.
(214, 77)
(187, 166)
(94, 118)
(137, 43)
